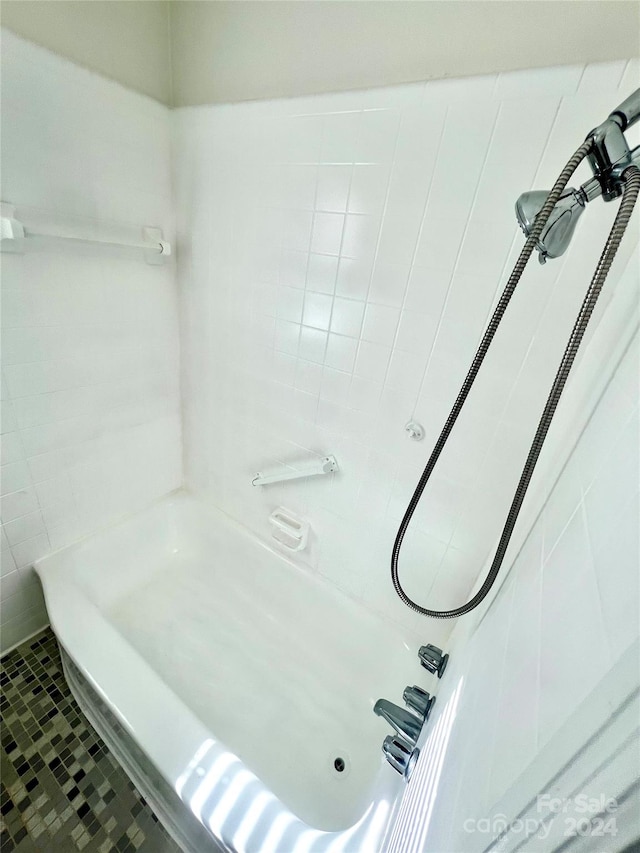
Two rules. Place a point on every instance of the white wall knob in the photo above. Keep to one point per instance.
(414, 430)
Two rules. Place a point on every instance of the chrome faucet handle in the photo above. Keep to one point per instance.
(419, 700)
(433, 659)
(402, 756)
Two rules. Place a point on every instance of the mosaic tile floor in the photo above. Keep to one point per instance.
(62, 790)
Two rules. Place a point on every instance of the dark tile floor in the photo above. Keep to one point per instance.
(62, 790)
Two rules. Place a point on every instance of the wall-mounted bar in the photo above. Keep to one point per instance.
(326, 465)
(14, 237)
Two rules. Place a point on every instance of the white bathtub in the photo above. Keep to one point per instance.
(239, 677)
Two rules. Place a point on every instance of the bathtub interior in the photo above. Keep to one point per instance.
(281, 667)
(132, 550)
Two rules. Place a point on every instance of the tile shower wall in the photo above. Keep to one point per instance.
(338, 259)
(567, 612)
(90, 401)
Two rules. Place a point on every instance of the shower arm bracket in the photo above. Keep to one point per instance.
(610, 153)
(605, 184)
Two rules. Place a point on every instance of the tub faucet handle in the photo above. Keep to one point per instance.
(402, 756)
(419, 701)
(433, 659)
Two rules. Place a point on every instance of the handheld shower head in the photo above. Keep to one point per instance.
(558, 231)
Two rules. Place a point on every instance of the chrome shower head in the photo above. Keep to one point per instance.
(558, 230)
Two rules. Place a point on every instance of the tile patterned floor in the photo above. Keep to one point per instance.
(62, 790)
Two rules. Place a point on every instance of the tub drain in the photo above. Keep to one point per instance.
(340, 764)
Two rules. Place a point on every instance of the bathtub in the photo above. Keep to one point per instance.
(235, 687)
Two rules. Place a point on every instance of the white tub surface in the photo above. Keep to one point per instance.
(236, 671)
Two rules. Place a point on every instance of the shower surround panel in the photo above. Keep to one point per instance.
(90, 356)
(339, 257)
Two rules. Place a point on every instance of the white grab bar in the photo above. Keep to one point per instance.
(325, 465)
(14, 234)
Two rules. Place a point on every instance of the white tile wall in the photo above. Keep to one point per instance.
(339, 257)
(567, 611)
(90, 355)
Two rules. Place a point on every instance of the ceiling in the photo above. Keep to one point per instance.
(211, 51)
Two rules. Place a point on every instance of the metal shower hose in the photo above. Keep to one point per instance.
(631, 177)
